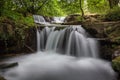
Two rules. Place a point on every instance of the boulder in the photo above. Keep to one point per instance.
(116, 65)
(116, 52)
(1, 78)
(72, 18)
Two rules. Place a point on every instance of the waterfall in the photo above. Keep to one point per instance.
(65, 54)
(42, 37)
(40, 20)
(38, 40)
(72, 40)
(58, 19)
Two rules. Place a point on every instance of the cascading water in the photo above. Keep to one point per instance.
(58, 19)
(66, 54)
(72, 40)
(40, 20)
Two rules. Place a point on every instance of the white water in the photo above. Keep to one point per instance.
(40, 20)
(53, 66)
(58, 19)
(70, 41)
(38, 40)
(68, 54)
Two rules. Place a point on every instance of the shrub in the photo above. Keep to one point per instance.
(12, 15)
(116, 64)
(113, 14)
(29, 20)
(18, 17)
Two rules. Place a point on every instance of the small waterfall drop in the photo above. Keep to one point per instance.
(40, 20)
(58, 19)
(38, 40)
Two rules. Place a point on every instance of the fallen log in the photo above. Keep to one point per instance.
(8, 65)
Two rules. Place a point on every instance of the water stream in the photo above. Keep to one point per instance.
(66, 54)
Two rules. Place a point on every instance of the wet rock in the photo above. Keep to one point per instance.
(116, 54)
(72, 18)
(1, 78)
(92, 18)
(30, 40)
(14, 37)
(116, 65)
(48, 19)
(8, 65)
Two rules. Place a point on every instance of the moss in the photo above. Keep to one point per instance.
(116, 64)
(113, 32)
(13, 33)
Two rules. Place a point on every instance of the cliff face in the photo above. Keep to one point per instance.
(16, 37)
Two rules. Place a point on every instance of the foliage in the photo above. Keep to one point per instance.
(13, 15)
(98, 6)
(52, 8)
(113, 14)
(113, 3)
(31, 6)
(116, 64)
(2, 2)
(19, 18)
(70, 6)
(29, 21)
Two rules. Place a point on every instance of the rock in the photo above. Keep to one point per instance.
(72, 18)
(48, 19)
(1, 78)
(116, 53)
(8, 65)
(116, 65)
(13, 36)
(92, 18)
(30, 40)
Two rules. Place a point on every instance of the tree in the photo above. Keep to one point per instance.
(113, 3)
(2, 3)
(98, 6)
(31, 6)
(80, 1)
(71, 6)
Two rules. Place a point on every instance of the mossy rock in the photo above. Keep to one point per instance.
(116, 64)
(1, 78)
(73, 18)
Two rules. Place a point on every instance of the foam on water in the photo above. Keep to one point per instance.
(53, 66)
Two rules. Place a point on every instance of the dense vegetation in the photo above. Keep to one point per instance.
(17, 9)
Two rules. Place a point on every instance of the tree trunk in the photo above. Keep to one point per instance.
(113, 3)
(82, 11)
(2, 3)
